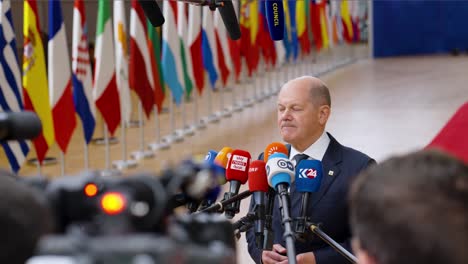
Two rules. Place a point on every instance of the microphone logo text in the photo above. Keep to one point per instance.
(307, 173)
(239, 163)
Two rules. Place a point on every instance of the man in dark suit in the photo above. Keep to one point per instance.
(304, 106)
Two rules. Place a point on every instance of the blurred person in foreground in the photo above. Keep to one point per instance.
(24, 218)
(411, 209)
(304, 106)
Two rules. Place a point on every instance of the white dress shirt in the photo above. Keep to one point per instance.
(316, 150)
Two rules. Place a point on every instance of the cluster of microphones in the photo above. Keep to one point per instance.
(274, 15)
(90, 208)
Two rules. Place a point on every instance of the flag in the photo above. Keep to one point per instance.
(265, 41)
(105, 91)
(346, 20)
(82, 75)
(155, 55)
(171, 60)
(302, 14)
(121, 60)
(315, 24)
(10, 83)
(210, 54)
(36, 94)
(222, 46)
(141, 68)
(287, 31)
(195, 46)
(249, 30)
(324, 24)
(293, 28)
(60, 85)
(336, 24)
(184, 51)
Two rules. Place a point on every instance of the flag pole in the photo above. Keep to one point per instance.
(199, 123)
(62, 164)
(212, 115)
(86, 156)
(187, 130)
(124, 163)
(141, 153)
(173, 136)
(158, 144)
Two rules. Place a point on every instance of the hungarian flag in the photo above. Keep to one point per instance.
(82, 75)
(121, 60)
(184, 51)
(10, 84)
(141, 68)
(60, 85)
(105, 91)
(171, 60)
(154, 42)
(35, 87)
(195, 46)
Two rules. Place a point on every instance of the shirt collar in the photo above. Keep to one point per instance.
(316, 150)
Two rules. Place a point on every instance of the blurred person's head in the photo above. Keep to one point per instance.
(24, 218)
(411, 209)
(304, 106)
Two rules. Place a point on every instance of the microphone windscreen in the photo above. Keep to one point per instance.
(210, 157)
(309, 174)
(279, 170)
(258, 181)
(275, 18)
(230, 19)
(19, 125)
(223, 157)
(238, 166)
(274, 147)
(152, 12)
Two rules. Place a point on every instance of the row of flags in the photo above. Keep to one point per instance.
(193, 41)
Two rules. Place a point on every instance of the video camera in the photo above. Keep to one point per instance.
(111, 219)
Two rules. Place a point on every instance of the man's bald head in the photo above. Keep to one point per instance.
(316, 88)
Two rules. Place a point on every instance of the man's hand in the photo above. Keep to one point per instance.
(278, 254)
(304, 258)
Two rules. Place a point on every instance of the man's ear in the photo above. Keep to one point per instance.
(324, 113)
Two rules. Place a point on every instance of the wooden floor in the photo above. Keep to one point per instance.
(381, 107)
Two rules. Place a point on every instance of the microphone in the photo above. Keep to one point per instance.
(152, 12)
(218, 178)
(222, 159)
(309, 174)
(258, 186)
(272, 148)
(275, 18)
(237, 174)
(19, 126)
(280, 172)
(227, 12)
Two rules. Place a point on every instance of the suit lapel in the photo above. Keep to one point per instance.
(331, 169)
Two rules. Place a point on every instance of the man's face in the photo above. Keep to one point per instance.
(298, 119)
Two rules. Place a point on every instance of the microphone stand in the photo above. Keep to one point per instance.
(243, 224)
(286, 221)
(332, 243)
(220, 206)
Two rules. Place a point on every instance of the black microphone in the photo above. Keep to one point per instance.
(275, 18)
(152, 12)
(19, 126)
(268, 235)
(228, 14)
